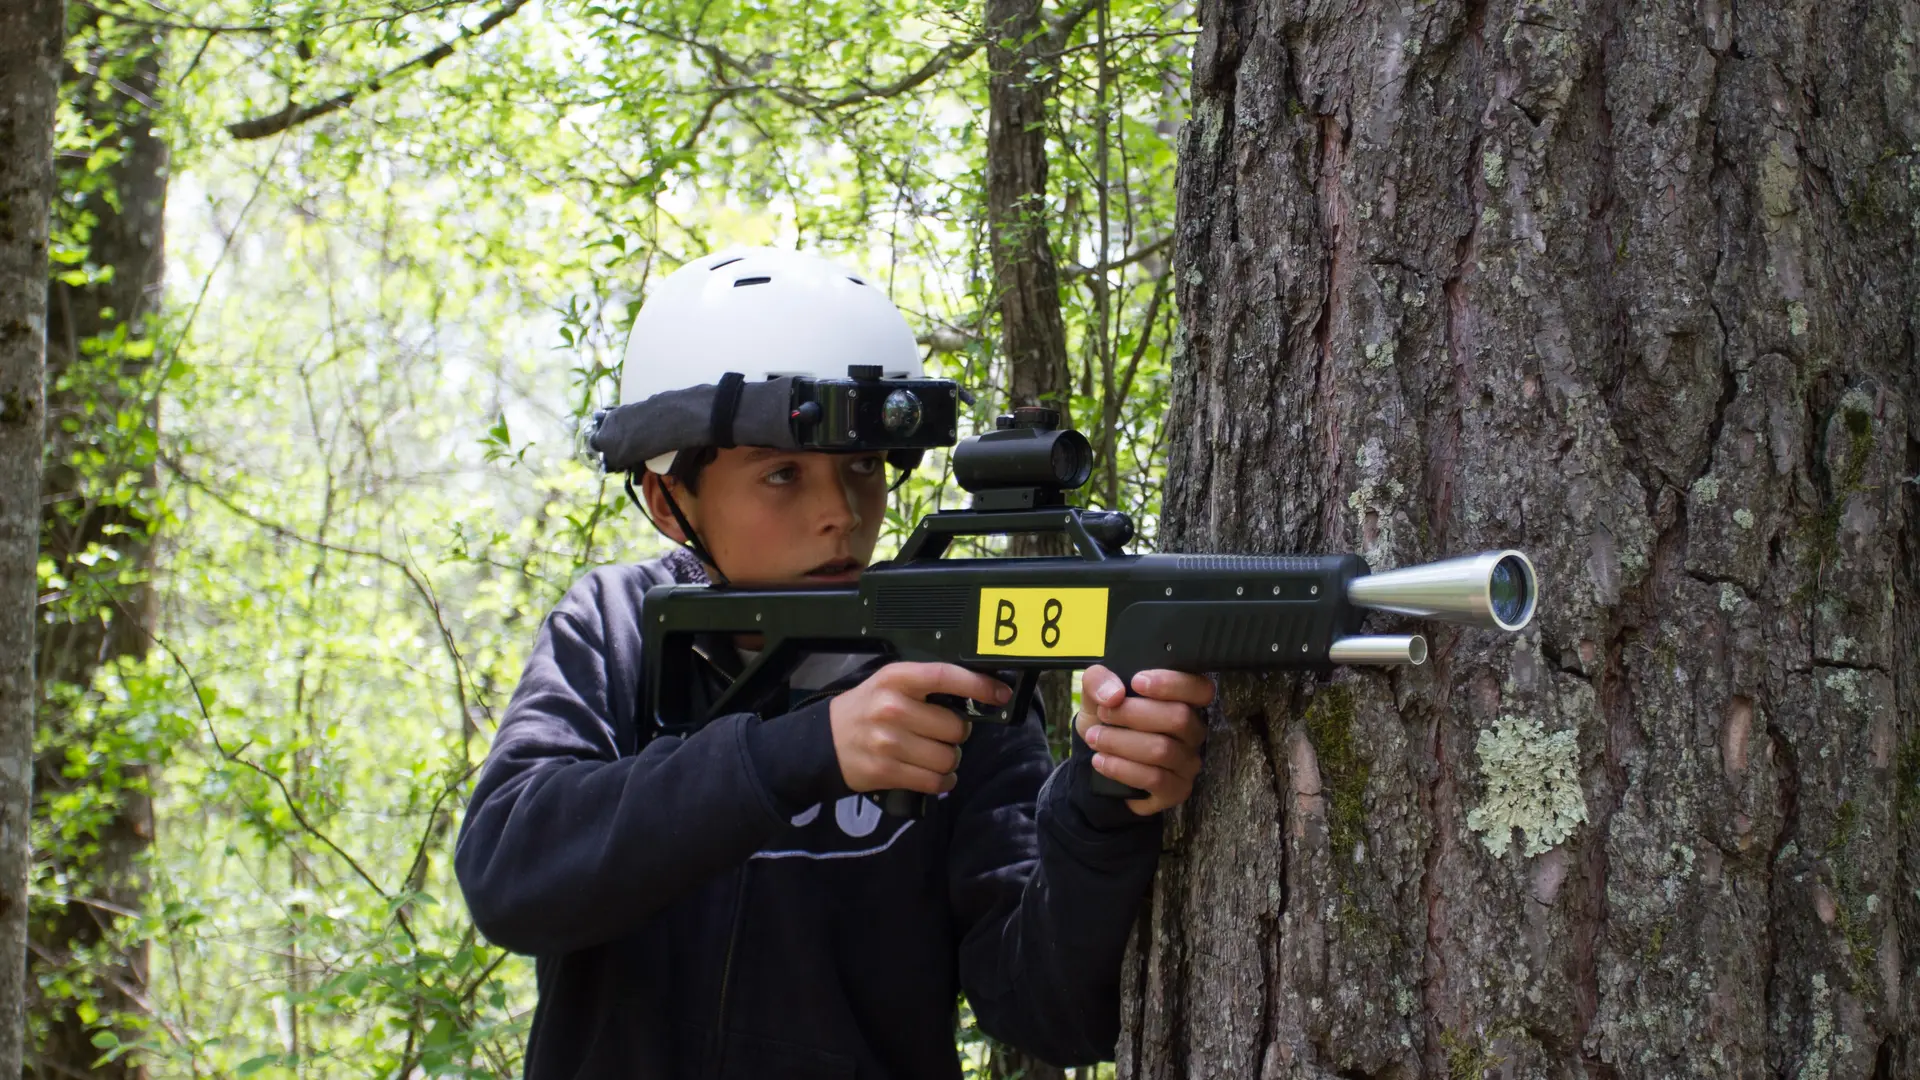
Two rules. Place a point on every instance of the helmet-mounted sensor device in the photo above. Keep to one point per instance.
(862, 412)
(747, 348)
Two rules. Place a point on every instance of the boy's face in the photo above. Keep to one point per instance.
(782, 516)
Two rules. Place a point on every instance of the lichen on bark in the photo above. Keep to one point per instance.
(1532, 786)
(1631, 287)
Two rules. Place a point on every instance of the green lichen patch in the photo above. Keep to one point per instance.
(1468, 1058)
(1852, 688)
(1343, 773)
(1906, 772)
(1819, 1061)
(1822, 530)
(1853, 907)
(1532, 784)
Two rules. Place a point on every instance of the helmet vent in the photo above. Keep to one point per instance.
(745, 281)
(726, 262)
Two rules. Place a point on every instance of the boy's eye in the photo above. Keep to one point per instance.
(865, 466)
(785, 474)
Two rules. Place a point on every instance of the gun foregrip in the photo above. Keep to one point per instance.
(1100, 783)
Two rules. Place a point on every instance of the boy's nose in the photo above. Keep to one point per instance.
(839, 507)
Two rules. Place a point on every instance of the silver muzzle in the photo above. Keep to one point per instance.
(1494, 590)
(1381, 649)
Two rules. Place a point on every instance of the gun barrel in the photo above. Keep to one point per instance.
(1380, 649)
(1494, 590)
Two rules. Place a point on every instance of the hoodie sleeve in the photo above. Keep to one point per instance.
(566, 844)
(1046, 879)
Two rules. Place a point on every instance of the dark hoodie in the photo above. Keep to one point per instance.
(721, 905)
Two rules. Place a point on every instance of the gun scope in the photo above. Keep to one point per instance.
(1024, 451)
(1494, 590)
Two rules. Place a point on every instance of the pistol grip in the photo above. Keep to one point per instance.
(913, 804)
(900, 803)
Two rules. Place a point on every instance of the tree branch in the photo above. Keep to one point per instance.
(801, 97)
(421, 586)
(293, 115)
(286, 795)
(946, 339)
(1074, 270)
(953, 53)
(1062, 28)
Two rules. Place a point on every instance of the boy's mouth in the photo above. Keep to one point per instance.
(836, 570)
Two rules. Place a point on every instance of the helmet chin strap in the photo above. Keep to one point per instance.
(692, 543)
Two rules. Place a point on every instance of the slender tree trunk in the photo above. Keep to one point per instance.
(1026, 277)
(1632, 287)
(31, 32)
(112, 616)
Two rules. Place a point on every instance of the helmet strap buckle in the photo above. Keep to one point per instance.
(692, 543)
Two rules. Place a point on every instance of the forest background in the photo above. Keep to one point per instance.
(1632, 286)
(335, 286)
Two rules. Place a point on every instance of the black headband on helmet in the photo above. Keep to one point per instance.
(863, 412)
(751, 414)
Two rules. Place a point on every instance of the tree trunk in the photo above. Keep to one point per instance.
(109, 614)
(1026, 279)
(30, 42)
(1631, 287)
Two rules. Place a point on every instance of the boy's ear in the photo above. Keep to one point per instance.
(653, 493)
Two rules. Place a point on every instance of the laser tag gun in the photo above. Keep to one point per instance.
(1197, 613)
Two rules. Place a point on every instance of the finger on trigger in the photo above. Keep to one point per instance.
(961, 682)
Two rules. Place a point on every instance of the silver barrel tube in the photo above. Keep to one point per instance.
(1380, 649)
(1494, 590)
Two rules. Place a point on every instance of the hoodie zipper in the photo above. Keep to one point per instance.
(726, 971)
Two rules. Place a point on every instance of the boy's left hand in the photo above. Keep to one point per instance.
(1151, 742)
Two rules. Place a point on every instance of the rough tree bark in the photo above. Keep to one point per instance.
(126, 236)
(1026, 277)
(31, 33)
(1021, 46)
(1631, 286)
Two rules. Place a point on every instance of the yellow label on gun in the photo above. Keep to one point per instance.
(1043, 622)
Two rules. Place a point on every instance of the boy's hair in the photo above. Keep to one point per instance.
(687, 465)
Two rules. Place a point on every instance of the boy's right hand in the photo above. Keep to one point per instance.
(888, 736)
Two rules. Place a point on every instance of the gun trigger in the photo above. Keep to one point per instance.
(967, 708)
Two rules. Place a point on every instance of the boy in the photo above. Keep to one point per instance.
(728, 904)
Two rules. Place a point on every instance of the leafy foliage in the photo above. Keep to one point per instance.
(400, 276)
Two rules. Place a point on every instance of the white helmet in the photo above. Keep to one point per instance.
(764, 313)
